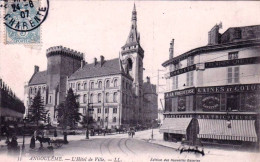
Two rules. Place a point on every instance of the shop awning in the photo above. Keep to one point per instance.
(175, 125)
(241, 130)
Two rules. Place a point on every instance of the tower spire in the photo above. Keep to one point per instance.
(134, 14)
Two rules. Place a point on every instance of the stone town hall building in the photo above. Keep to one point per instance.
(114, 88)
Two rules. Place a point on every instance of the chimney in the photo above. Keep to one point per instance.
(82, 63)
(36, 69)
(102, 60)
(148, 79)
(171, 49)
(213, 35)
(95, 61)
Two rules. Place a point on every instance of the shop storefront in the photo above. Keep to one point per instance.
(220, 114)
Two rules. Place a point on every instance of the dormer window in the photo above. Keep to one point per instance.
(237, 34)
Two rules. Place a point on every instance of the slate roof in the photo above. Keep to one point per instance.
(39, 78)
(109, 67)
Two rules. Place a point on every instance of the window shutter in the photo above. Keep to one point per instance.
(236, 75)
(230, 75)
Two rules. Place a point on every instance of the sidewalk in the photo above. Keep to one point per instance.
(222, 154)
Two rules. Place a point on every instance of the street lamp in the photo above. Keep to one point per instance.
(88, 110)
(24, 125)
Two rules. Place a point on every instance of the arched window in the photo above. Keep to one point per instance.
(114, 119)
(39, 89)
(85, 85)
(115, 97)
(91, 98)
(129, 64)
(92, 85)
(85, 98)
(115, 83)
(99, 97)
(78, 87)
(35, 90)
(107, 97)
(100, 84)
(107, 84)
(31, 90)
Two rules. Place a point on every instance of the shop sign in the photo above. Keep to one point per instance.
(211, 103)
(229, 88)
(183, 70)
(243, 61)
(185, 92)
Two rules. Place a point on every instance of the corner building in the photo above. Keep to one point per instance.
(213, 91)
(114, 88)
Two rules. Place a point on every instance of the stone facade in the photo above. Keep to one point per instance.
(215, 85)
(114, 88)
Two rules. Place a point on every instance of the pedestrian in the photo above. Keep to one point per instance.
(32, 143)
(13, 145)
(55, 133)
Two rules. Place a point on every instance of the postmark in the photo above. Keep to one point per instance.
(23, 19)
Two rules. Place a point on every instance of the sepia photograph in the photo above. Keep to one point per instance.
(129, 81)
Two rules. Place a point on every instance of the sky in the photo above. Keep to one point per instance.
(101, 28)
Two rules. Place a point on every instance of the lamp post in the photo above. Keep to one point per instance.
(24, 125)
(88, 110)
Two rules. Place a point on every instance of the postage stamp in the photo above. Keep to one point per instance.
(22, 20)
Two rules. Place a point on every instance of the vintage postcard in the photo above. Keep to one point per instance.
(129, 81)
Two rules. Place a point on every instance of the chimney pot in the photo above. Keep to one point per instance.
(36, 69)
(95, 61)
(171, 49)
(148, 79)
(82, 63)
(102, 60)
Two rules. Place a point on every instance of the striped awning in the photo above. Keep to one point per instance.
(241, 130)
(175, 125)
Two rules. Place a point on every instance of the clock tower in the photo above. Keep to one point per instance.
(132, 56)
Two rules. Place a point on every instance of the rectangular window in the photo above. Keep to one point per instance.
(175, 82)
(114, 110)
(99, 110)
(230, 75)
(107, 110)
(189, 103)
(190, 61)
(190, 78)
(233, 55)
(176, 66)
(174, 104)
(236, 75)
(233, 75)
(223, 102)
